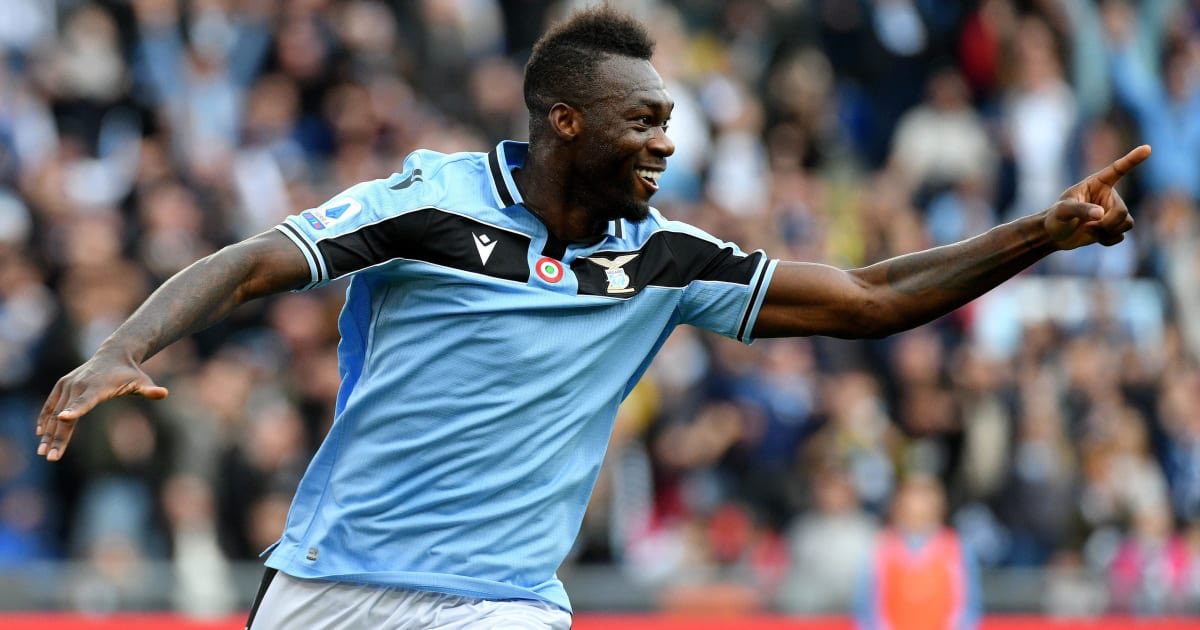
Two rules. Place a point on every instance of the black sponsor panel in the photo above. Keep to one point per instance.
(456, 241)
(434, 236)
(667, 259)
(622, 281)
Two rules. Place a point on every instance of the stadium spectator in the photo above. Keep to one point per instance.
(1163, 97)
(1151, 572)
(942, 140)
(1042, 116)
(1177, 403)
(829, 546)
(919, 574)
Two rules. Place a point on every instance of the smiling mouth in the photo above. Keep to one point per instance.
(649, 178)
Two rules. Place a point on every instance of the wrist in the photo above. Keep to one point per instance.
(115, 351)
(1036, 234)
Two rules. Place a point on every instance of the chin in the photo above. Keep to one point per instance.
(609, 207)
(609, 202)
(639, 211)
(631, 210)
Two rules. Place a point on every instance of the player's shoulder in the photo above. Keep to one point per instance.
(426, 179)
(436, 172)
(436, 167)
(658, 224)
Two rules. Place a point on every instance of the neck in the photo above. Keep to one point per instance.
(545, 183)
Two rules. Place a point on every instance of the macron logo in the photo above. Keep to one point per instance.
(485, 245)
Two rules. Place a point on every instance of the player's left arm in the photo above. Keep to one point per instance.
(910, 290)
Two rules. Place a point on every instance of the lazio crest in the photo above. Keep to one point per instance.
(618, 280)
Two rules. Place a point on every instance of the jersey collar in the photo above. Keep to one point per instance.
(502, 160)
(510, 154)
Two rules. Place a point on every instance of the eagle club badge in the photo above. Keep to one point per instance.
(618, 280)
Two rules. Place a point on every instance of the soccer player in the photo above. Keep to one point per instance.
(499, 308)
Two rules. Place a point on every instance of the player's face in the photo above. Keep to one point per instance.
(624, 145)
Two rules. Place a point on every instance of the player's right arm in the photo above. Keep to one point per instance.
(190, 301)
(913, 289)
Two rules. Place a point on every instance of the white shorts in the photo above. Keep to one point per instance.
(290, 602)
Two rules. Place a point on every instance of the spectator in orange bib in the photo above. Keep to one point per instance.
(920, 577)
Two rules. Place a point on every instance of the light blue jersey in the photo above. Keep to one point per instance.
(482, 363)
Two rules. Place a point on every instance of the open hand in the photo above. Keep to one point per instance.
(1092, 211)
(101, 378)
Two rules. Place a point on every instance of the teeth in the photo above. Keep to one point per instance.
(650, 175)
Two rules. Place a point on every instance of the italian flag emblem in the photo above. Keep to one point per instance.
(549, 269)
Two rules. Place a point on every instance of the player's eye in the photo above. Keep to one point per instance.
(651, 121)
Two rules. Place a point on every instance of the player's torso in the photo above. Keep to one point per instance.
(487, 317)
(482, 364)
(480, 381)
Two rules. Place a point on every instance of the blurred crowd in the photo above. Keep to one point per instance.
(1059, 419)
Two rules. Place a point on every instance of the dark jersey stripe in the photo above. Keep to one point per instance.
(414, 176)
(666, 259)
(498, 179)
(307, 248)
(750, 309)
(267, 577)
(554, 247)
(431, 235)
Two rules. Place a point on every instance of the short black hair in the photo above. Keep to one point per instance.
(562, 67)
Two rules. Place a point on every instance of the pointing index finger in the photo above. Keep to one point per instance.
(1112, 173)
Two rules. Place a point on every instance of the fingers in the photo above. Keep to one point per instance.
(152, 391)
(48, 408)
(72, 399)
(1117, 234)
(62, 422)
(1089, 213)
(1074, 223)
(66, 391)
(1084, 212)
(54, 447)
(1111, 236)
(1113, 173)
(1114, 217)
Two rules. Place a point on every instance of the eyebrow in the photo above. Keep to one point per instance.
(653, 104)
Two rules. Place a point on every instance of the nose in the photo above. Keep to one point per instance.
(661, 144)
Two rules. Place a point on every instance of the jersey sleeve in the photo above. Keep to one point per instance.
(726, 286)
(359, 227)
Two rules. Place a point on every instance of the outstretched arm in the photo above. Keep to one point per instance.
(910, 290)
(193, 299)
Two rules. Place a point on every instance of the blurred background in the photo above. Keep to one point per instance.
(1054, 424)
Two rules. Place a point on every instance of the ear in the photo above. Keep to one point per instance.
(566, 121)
